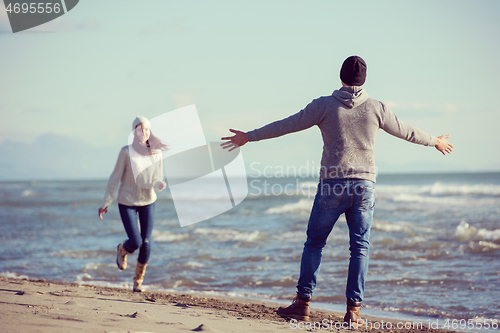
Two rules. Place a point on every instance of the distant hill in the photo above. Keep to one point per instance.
(55, 157)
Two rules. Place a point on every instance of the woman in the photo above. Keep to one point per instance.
(138, 172)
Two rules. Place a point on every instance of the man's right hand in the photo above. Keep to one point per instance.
(102, 211)
(237, 140)
(443, 145)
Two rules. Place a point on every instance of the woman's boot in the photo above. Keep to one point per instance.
(140, 270)
(121, 257)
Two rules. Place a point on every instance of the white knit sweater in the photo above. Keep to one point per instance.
(136, 177)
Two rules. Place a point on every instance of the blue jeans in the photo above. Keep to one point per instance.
(355, 198)
(138, 239)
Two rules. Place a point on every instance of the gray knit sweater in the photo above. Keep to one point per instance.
(348, 121)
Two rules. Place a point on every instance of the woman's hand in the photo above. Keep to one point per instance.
(237, 140)
(443, 145)
(102, 211)
(160, 185)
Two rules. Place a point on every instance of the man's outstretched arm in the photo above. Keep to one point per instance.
(304, 119)
(391, 124)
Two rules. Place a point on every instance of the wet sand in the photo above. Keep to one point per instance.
(43, 306)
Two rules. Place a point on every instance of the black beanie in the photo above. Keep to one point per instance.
(353, 71)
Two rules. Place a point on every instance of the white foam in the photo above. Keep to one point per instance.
(464, 231)
(295, 236)
(434, 200)
(92, 266)
(486, 246)
(303, 205)
(417, 239)
(78, 254)
(28, 193)
(399, 226)
(233, 294)
(81, 278)
(229, 234)
(167, 236)
(388, 227)
(489, 245)
(122, 285)
(85, 280)
(440, 189)
(12, 275)
(477, 189)
(194, 264)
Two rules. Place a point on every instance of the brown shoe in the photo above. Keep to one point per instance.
(352, 316)
(299, 309)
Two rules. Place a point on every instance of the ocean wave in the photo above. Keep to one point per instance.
(167, 236)
(464, 231)
(427, 312)
(12, 186)
(87, 280)
(399, 226)
(426, 199)
(229, 234)
(194, 264)
(388, 226)
(84, 277)
(441, 189)
(303, 205)
(180, 286)
(97, 266)
(28, 193)
(13, 275)
(292, 236)
(477, 189)
(481, 247)
(76, 254)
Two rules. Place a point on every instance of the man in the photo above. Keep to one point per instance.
(348, 121)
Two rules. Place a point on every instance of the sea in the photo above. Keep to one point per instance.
(435, 244)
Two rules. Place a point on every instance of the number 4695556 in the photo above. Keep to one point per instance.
(34, 8)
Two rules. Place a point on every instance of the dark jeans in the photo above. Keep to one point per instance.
(138, 239)
(355, 198)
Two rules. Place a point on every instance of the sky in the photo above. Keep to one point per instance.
(88, 73)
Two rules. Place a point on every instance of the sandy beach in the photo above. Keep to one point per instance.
(43, 306)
